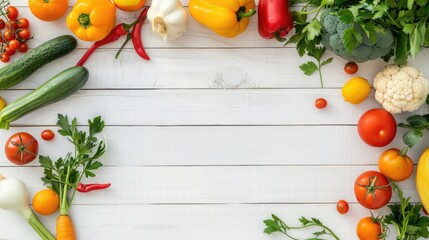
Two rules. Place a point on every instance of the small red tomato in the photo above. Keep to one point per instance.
(23, 23)
(351, 68)
(21, 148)
(8, 51)
(23, 48)
(342, 206)
(12, 12)
(14, 44)
(2, 24)
(5, 58)
(24, 34)
(320, 103)
(9, 35)
(47, 135)
(12, 24)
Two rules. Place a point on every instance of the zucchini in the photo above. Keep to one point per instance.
(57, 88)
(22, 68)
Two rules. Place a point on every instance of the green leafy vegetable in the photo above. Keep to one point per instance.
(406, 218)
(275, 224)
(64, 174)
(417, 124)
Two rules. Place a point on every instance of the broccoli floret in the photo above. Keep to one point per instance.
(332, 38)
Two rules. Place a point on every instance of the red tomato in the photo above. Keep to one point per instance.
(320, 103)
(368, 229)
(5, 58)
(24, 34)
(23, 23)
(377, 127)
(21, 148)
(14, 44)
(12, 24)
(8, 51)
(372, 190)
(351, 68)
(47, 135)
(12, 12)
(342, 206)
(23, 48)
(2, 24)
(9, 35)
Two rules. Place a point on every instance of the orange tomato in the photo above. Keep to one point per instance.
(394, 166)
(368, 229)
(46, 202)
(48, 10)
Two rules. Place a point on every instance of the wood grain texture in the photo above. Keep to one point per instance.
(226, 146)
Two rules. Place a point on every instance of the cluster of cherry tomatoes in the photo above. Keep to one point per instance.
(14, 33)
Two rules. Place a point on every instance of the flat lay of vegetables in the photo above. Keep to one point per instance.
(390, 101)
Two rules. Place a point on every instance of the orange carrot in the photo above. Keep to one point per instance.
(65, 229)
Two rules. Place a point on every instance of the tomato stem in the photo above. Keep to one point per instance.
(404, 151)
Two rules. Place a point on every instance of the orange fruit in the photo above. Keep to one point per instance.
(46, 202)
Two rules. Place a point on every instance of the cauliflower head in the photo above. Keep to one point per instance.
(333, 33)
(400, 88)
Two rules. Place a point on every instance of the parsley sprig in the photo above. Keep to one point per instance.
(277, 225)
(406, 218)
(65, 173)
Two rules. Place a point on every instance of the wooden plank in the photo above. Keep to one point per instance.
(222, 146)
(196, 185)
(203, 107)
(188, 222)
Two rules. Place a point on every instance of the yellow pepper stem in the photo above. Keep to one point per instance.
(84, 20)
(241, 13)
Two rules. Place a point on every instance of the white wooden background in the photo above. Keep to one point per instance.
(206, 140)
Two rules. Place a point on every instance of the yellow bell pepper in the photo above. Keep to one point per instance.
(422, 178)
(92, 20)
(227, 18)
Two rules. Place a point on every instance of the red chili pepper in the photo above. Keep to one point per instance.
(274, 19)
(118, 31)
(91, 187)
(137, 38)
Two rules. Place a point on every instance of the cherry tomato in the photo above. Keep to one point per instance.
(5, 58)
(23, 23)
(372, 190)
(14, 44)
(12, 12)
(377, 127)
(320, 103)
(342, 206)
(2, 24)
(12, 24)
(395, 166)
(24, 34)
(23, 48)
(9, 35)
(351, 68)
(8, 51)
(368, 229)
(47, 135)
(21, 148)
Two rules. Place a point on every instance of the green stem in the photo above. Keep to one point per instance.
(84, 20)
(41, 230)
(241, 13)
(63, 196)
(403, 151)
(129, 36)
(320, 73)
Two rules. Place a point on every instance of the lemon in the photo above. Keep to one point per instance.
(2, 103)
(356, 90)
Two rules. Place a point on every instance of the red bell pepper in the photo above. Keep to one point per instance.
(274, 19)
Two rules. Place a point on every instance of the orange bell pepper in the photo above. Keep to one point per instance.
(227, 18)
(92, 20)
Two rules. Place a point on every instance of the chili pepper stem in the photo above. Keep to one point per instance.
(129, 36)
(243, 14)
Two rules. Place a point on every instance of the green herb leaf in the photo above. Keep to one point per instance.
(346, 16)
(309, 68)
(313, 29)
(417, 121)
(412, 137)
(352, 38)
(327, 61)
(401, 48)
(415, 42)
(380, 10)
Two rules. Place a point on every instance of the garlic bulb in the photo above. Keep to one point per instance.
(168, 18)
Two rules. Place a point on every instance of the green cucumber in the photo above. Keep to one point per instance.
(22, 68)
(57, 88)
